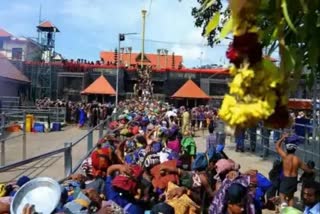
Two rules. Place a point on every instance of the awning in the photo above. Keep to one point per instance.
(100, 86)
(190, 90)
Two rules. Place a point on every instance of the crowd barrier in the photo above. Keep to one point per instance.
(261, 140)
(6, 136)
(51, 114)
(66, 151)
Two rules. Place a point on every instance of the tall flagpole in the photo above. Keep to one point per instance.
(144, 12)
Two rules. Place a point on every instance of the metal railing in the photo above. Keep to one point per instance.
(66, 150)
(262, 141)
(52, 114)
(4, 137)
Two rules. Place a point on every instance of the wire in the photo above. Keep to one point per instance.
(149, 8)
(175, 43)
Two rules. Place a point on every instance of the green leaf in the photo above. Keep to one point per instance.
(207, 4)
(274, 35)
(227, 28)
(213, 23)
(289, 61)
(286, 15)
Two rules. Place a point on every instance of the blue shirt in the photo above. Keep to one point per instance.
(312, 210)
(122, 201)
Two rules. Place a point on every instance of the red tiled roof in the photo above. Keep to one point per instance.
(9, 71)
(100, 86)
(153, 58)
(190, 90)
(47, 24)
(4, 33)
(300, 104)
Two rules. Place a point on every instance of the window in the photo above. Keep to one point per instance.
(16, 53)
(218, 89)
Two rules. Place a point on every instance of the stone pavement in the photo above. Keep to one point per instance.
(247, 160)
(40, 143)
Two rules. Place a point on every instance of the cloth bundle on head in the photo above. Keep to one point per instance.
(144, 121)
(86, 166)
(22, 180)
(163, 131)
(100, 161)
(292, 142)
(80, 204)
(150, 127)
(121, 117)
(189, 145)
(113, 125)
(225, 165)
(174, 145)
(128, 183)
(130, 158)
(151, 160)
(202, 160)
(128, 117)
(156, 147)
(2, 190)
(160, 181)
(182, 205)
(290, 210)
(130, 146)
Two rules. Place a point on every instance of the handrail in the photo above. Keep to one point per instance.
(30, 160)
(89, 131)
(48, 154)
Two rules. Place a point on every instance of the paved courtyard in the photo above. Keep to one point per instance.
(39, 143)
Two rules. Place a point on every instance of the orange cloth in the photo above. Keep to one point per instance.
(160, 181)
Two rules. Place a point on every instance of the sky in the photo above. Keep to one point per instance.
(90, 26)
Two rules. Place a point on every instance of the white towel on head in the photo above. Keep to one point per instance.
(291, 146)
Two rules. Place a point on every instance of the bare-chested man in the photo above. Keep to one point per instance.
(291, 164)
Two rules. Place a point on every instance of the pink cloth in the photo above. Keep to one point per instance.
(6, 200)
(224, 165)
(174, 145)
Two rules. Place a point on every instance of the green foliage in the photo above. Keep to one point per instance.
(203, 14)
(227, 28)
(213, 23)
(296, 22)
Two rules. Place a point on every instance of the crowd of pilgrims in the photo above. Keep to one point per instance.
(148, 162)
(80, 113)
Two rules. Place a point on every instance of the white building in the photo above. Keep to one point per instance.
(18, 48)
